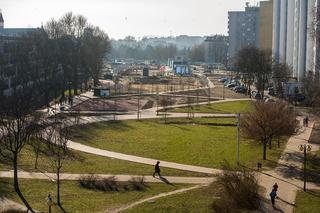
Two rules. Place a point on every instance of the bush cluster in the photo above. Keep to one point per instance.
(111, 184)
(240, 191)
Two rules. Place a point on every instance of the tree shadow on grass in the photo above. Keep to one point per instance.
(6, 187)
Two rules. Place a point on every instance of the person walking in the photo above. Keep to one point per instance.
(275, 187)
(273, 196)
(307, 121)
(157, 169)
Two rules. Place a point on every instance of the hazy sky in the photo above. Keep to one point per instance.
(129, 17)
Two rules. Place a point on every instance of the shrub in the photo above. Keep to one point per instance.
(240, 190)
(137, 184)
(96, 183)
(111, 184)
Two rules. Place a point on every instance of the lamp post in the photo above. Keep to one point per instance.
(305, 148)
(49, 202)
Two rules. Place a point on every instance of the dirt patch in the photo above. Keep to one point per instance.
(119, 104)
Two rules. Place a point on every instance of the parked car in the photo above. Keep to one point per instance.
(271, 91)
(234, 84)
(257, 96)
(241, 89)
(222, 80)
(299, 97)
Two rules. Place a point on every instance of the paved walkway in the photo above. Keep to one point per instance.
(288, 172)
(121, 178)
(288, 179)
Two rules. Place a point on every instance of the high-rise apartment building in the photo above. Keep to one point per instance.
(266, 25)
(243, 30)
(216, 48)
(293, 40)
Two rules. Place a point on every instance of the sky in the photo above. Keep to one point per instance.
(119, 18)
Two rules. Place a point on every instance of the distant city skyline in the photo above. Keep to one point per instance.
(119, 18)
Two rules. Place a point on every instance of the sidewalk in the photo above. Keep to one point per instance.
(121, 178)
(287, 173)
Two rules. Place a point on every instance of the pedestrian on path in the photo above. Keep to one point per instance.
(273, 196)
(157, 169)
(275, 187)
(307, 121)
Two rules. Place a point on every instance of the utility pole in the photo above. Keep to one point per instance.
(157, 88)
(238, 138)
(138, 113)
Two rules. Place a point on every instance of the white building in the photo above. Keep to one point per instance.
(293, 42)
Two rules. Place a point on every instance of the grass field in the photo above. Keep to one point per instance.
(307, 202)
(198, 200)
(226, 107)
(203, 142)
(92, 164)
(77, 199)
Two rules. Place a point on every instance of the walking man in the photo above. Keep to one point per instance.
(273, 196)
(157, 169)
(307, 121)
(275, 187)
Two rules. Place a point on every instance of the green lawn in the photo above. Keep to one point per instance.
(181, 141)
(227, 107)
(313, 167)
(77, 199)
(93, 164)
(198, 200)
(307, 202)
(313, 159)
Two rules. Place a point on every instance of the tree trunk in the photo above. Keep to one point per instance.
(264, 151)
(16, 183)
(58, 187)
(36, 160)
(270, 143)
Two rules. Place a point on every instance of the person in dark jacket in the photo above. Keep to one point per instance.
(157, 169)
(273, 196)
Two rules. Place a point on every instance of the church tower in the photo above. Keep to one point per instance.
(1, 20)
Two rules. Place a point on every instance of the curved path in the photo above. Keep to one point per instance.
(132, 158)
(125, 207)
(288, 181)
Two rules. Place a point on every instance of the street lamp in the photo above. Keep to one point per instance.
(49, 202)
(305, 148)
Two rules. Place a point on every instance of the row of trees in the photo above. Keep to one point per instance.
(159, 52)
(257, 67)
(63, 55)
(21, 125)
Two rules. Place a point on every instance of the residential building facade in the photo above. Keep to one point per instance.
(216, 49)
(293, 40)
(243, 30)
(266, 25)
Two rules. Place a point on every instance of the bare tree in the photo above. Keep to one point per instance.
(165, 101)
(312, 89)
(57, 149)
(18, 123)
(255, 65)
(281, 74)
(268, 121)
